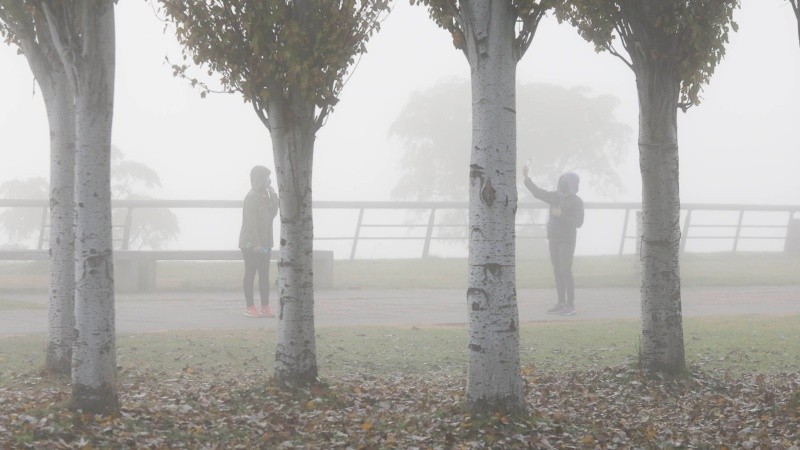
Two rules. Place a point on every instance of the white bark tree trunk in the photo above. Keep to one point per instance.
(59, 99)
(662, 347)
(293, 148)
(60, 102)
(493, 376)
(89, 59)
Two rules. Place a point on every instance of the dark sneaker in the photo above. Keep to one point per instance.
(556, 309)
(567, 311)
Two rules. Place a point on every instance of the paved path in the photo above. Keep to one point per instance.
(224, 310)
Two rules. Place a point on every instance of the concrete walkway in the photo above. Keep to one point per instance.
(224, 310)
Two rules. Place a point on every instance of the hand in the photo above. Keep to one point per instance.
(525, 171)
(555, 212)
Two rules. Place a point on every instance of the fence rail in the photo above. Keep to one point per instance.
(430, 225)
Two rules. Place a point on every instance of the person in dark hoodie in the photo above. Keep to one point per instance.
(255, 239)
(566, 216)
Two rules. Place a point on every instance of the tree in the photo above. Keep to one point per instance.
(22, 23)
(150, 228)
(565, 128)
(288, 59)
(485, 31)
(796, 8)
(20, 223)
(674, 48)
(131, 180)
(83, 35)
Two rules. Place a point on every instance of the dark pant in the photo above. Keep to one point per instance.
(256, 262)
(561, 253)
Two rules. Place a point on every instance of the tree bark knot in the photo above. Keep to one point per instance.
(491, 271)
(477, 298)
(97, 261)
(475, 348)
(488, 193)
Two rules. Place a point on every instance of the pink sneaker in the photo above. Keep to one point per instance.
(266, 311)
(252, 311)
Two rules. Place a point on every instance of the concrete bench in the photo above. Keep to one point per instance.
(135, 270)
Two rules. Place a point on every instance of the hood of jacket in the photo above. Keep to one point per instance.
(259, 178)
(569, 183)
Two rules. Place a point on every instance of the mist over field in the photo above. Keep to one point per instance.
(317, 224)
(736, 147)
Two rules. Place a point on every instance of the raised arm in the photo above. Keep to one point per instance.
(551, 198)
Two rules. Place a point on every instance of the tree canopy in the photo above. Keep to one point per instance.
(564, 128)
(529, 13)
(272, 48)
(687, 35)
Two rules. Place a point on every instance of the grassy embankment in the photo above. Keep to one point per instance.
(715, 269)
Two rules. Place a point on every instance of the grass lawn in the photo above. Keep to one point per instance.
(8, 305)
(391, 387)
(738, 344)
(712, 269)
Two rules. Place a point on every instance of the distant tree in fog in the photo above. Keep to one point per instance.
(672, 48)
(20, 224)
(560, 128)
(150, 228)
(289, 60)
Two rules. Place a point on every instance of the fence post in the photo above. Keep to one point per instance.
(792, 243)
(126, 234)
(428, 234)
(357, 233)
(738, 230)
(685, 234)
(624, 231)
(43, 228)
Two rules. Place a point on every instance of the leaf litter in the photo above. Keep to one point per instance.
(600, 407)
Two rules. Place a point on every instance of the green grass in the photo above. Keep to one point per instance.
(711, 269)
(738, 344)
(9, 305)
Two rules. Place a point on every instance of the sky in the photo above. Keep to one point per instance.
(739, 146)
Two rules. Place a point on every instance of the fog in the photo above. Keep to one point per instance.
(739, 146)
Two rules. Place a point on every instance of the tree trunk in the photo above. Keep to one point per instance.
(59, 100)
(662, 329)
(293, 133)
(94, 355)
(60, 104)
(493, 376)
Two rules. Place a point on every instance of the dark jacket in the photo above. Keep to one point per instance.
(565, 226)
(260, 208)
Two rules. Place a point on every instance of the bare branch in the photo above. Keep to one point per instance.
(260, 113)
(528, 32)
(610, 48)
(58, 26)
(322, 118)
